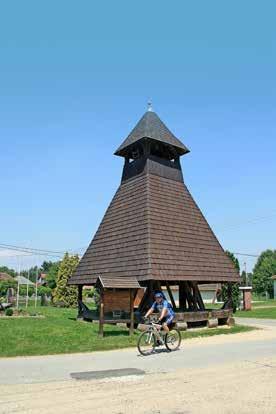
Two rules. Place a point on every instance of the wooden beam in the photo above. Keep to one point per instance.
(80, 315)
(148, 298)
(131, 304)
(189, 296)
(198, 296)
(182, 296)
(144, 302)
(80, 292)
(170, 295)
(101, 319)
(193, 295)
(157, 285)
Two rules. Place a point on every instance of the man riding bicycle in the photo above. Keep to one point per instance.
(166, 313)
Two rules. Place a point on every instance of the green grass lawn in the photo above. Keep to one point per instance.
(269, 303)
(59, 332)
(265, 313)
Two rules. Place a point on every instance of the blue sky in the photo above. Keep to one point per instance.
(75, 77)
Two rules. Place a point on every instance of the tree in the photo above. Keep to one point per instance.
(52, 273)
(5, 285)
(31, 273)
(234, 260)
(243, 278)
(67, 295)
(235, 292)
(46, 266)
(5, 269)
(262, 272)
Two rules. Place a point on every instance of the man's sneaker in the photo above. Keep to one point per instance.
(158, 342)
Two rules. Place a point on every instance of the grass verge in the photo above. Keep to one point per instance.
(60, 333)
(262, 313)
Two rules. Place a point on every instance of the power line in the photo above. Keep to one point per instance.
(35, 251)
(29, 253)
(251, 221)
(247, 254)
(29, 249)
(40, 252)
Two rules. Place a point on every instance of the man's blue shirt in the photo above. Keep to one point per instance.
(158, 307)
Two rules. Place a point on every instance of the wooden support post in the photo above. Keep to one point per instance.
(182, 296)
(190, 298)
(170, 295)
(131, 304)
(80, 292)
(157, 285)
(148, 298)
(198, 297)
(193, 295)
(80, 316)
(101, 319)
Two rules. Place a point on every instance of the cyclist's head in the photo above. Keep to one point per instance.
(158, 296)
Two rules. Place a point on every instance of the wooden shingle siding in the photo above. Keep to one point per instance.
(157, 232)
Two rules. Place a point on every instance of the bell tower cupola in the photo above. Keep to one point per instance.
(152, 148)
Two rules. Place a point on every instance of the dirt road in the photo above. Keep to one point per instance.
(240, 383)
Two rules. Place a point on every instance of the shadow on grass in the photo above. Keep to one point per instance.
(116, 333)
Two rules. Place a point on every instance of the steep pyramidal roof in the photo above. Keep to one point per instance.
(151, 126)
(153, 229)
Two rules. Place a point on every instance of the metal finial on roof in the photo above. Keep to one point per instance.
(149, 106)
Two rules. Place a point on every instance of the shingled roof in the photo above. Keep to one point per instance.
(151, 126)
(5, 277)
(153, 229)
(118, 282)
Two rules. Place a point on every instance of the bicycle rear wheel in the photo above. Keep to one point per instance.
(146, 343)
(173, 339)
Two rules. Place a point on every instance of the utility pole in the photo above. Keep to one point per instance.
(27, 290)
(246, 281)
(18, 286)
(36, 286)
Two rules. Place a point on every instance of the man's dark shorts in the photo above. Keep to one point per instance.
(168, 320)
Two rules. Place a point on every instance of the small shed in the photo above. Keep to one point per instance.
(116, 296)
(22, 280)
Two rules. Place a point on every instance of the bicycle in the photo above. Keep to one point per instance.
(154, 336)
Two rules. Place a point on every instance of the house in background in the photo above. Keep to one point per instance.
(210, 292)
(42, 279)
(5, 277)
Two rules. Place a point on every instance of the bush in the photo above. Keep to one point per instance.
(5, 285)
(9, 312)
(23, 290)
(96, 298)
(88, 293)
(65, 293)
(44, 290)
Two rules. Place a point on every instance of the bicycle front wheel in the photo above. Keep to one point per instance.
(146, 343)
(173, 340)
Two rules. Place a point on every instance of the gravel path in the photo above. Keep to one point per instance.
(222, 374)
